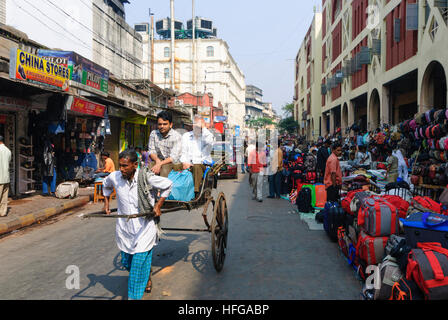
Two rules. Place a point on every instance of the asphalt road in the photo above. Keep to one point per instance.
(271, 255)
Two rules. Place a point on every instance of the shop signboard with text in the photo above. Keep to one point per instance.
(29, 67)
(85, 74)
(85, 107)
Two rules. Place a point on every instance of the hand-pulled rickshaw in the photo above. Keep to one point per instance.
(219, 224)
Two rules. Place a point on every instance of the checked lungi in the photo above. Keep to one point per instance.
(139, 267)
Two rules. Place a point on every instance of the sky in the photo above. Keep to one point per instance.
(264, 36)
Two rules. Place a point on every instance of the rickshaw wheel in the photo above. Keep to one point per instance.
(219, 232)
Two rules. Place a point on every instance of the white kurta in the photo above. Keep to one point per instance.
(139, 234)
(196, 150)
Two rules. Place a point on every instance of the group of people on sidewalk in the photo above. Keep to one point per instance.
(325, 161)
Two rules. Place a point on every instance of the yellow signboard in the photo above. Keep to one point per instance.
(29, 67)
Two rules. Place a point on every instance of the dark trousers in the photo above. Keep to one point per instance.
(333, 194)
(49, 183)
(275, 181)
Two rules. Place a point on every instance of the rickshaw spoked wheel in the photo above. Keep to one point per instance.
(219, 232)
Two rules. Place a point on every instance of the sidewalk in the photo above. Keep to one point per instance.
(30, 210)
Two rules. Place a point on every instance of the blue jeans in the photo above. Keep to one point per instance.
(242, 168)
(46, 181)
(275, 184)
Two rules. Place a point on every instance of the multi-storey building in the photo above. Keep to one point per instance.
(307, 109)
(254, 102)
(3, 11)
(382, 61)
(210, 70)
(116, 45)
(95, 29)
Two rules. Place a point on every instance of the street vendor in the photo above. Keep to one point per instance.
(392, 166)
(138, 191)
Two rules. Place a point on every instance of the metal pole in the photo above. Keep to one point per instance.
(193, 47)
(152, 47)
(172, 43)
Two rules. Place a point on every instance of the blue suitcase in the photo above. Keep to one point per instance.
(426, 227)
(334, 217)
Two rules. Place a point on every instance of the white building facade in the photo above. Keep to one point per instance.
(95, 29)
(215, 72)
(3, 11)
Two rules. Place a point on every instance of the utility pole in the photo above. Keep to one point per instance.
(151, 34)
(173, 35)
(193, 48)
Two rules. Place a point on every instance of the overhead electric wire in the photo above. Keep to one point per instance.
(89, 29)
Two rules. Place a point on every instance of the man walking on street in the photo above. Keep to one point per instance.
(5, 159)
(333, 174)
(138, 191)
(257, 162)
(322, 156)
(275, 172)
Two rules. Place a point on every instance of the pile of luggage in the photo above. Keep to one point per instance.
(397, 245)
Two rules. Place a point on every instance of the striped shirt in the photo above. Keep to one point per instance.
(166, 147)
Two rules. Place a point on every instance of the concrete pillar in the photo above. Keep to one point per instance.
(332, 128)
(351, 113)
(385, 108)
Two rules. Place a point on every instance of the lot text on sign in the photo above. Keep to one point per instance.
(29, 67)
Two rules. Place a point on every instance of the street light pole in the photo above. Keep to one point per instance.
(172, 43)
(193, 48)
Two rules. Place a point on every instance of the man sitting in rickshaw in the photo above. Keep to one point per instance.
(196, 150)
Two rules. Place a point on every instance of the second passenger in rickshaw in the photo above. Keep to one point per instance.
(196, 150)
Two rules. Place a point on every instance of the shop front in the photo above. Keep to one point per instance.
(79, 145)
(129, 129)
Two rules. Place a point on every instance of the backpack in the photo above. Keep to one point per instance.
(345, 202)
(357, 201)
(405, 289)
(390, 273)
(371, 249)
(378, 218)
(428, 267)
(303, 201)
(401, 204)
(427, 203)
(397, 248)
(310, 177)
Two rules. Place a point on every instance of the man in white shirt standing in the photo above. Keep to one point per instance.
(5, 159)
(136, 237)
(196, 150)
